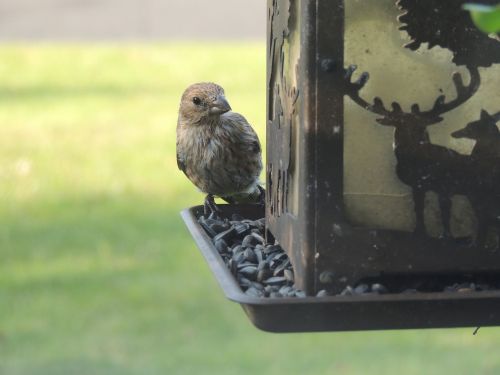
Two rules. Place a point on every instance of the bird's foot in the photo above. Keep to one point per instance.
(262, 196)
(210, 208)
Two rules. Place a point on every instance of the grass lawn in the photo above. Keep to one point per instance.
(97, 272)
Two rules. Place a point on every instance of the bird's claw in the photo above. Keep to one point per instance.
(262, 196)
(210, 208)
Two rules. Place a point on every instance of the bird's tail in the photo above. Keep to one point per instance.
(257, 195)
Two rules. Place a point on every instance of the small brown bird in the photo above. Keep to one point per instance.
(217, 149)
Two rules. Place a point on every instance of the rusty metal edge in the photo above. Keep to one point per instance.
(303, 314)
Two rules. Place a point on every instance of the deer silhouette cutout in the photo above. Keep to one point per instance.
(482, 173)
(422, 165)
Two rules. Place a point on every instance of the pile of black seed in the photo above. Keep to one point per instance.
(264, 270)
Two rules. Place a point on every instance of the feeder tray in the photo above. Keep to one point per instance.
(383, 164)
(344, 313)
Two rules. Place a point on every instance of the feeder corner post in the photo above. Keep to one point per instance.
(304, 130)
(359, 185)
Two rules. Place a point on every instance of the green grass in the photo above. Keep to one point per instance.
(98, 274)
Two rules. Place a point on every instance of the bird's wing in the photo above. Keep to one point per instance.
(249, 136)
(256, 145)
(250, 145)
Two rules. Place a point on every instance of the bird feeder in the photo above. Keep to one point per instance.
(383, 162)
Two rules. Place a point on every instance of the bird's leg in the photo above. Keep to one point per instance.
(229, 200)
(209, 207)
(262, 196)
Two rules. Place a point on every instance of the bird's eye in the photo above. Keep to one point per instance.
(196, 100)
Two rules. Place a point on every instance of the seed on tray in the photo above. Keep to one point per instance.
(281, 268)
(221, 245)
(241, 228)
(226, 235)
(348, 291)
(264, 269)
(322, 293)
(275, 280)
(379, 288)
(263, 274)
(238, 257)
(249, 271)
(249, 241)
(289, 275)
(250, 255)
(361, 288)
(284, 290)
(300, 293)
(254, 292)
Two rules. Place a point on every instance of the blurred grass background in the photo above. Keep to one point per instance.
(97, 272)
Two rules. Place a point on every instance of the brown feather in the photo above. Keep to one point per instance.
(221, 153)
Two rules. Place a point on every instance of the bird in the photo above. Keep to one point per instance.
(217, 149)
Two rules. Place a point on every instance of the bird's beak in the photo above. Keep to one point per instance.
(219, 106)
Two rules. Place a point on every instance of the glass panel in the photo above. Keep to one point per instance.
(385, 164)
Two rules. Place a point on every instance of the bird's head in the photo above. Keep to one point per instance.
(203, 101)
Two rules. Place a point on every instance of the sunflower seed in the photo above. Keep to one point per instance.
(263, 265)
(284, 290)
(250, 255)
(232, 266)
(379, 288)
(281, 267)
(226, 235)
(271, 288)
(238, 257)
(236, 217)
(249, 271)
(300, 294)
(289, 275)
(244, 282)
(249, 241)
(258, 254)
(245, 264)
(258, 286)
(241, 228)
(217, 227)
(258, 237)
(237, 248)
(207, 228)
(274, 280)
(322, 293)
(263, 274)
(326, 277)
(221, 245)
(361, 288)
(254, 292)
(348, 291)
(272, 248)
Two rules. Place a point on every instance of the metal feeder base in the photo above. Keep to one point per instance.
(345, 313)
